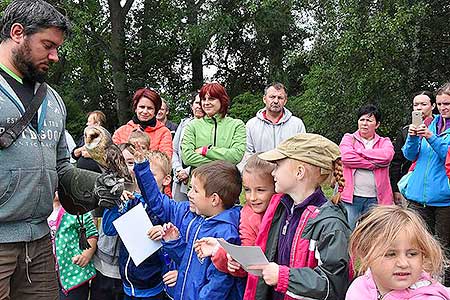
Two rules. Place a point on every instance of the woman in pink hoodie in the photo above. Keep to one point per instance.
(399, 258)
(366, 157)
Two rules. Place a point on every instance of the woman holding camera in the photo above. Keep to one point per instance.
(428, 190)
(425, 103)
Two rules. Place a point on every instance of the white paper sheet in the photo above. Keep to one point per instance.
(132, 228)
(246, 255)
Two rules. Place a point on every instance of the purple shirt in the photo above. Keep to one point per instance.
(440, 124)
(290, 222)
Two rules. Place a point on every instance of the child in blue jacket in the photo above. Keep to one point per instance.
(145, 281)
(210, 212)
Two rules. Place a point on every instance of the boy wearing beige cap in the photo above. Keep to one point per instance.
(304, 236)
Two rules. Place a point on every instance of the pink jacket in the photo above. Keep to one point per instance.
(364, 287)
(248, 230)
(355, 156)
(301, 255)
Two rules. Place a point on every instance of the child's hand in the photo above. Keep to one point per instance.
(170, 278)
(206, 247)
(139, 154)
(126, 195)
(232, 265)
(80, 260)
(269, 272)
(156, 233)
(171, 232)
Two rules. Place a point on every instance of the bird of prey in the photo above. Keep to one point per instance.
(99, 145)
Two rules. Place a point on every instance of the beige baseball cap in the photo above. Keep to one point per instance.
(307, 147)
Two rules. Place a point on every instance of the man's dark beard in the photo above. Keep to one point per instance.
(22, 61)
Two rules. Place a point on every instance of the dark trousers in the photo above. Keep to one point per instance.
(79, 293)
(438, 222)
(106, 288)
(27, 271)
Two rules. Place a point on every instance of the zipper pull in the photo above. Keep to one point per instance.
(283, 232)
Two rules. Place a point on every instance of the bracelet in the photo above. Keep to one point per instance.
(204, 150)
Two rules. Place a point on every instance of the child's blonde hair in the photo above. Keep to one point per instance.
(161, 159)
(141, 137)
(258, 166)
(379, 228)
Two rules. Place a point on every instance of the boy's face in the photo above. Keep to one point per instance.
(129, 160)
(161, 178)
(285, 174)
(199, 203)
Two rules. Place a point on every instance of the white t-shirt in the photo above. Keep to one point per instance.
(364, 180)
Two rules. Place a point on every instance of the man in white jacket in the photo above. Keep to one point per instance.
(274, 123)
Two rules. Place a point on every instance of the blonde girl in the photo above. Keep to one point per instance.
(399, 258)
(303, 235)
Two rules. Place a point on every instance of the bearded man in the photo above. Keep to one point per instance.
(34, 159)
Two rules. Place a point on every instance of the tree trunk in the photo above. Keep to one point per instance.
(195, 50)
(117, 16)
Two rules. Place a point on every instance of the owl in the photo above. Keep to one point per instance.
(99, 145)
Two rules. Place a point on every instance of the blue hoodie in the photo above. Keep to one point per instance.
(197, 278)
(144, 280)
(428, 183)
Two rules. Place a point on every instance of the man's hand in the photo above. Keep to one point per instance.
(108, 190)
(269, 272)
(170, 278)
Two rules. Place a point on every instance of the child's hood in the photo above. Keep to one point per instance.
(364, 287)
(424, 288)
(331, 216)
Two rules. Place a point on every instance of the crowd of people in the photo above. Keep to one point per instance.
(384, 234)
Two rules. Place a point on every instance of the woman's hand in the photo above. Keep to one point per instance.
(423, 131)
(206, 247)
(412, 130)
(170, 278)
(171, 232)
(156, 233)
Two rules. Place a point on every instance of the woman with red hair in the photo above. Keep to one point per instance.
(215, 136)
(146, 103)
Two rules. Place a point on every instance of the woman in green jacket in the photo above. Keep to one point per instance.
(215, 136)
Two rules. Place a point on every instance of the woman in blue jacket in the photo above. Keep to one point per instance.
(428, 190)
